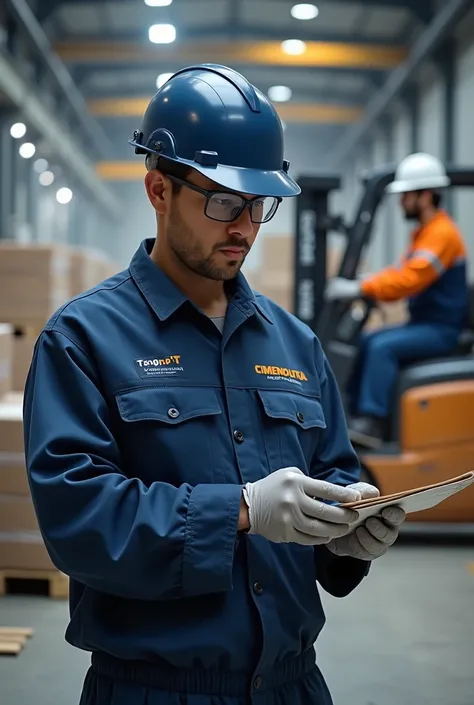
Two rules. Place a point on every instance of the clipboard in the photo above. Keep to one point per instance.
(414, 500)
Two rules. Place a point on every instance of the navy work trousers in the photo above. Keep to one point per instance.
(110, 681)
(381, 355)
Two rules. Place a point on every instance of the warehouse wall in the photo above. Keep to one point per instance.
(464, 146)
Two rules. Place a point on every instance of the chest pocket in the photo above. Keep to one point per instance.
(292, 427)
(165, 434)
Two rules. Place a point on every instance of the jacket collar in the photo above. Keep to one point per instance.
(165, 298)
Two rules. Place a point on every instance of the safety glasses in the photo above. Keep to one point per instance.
(227, 207)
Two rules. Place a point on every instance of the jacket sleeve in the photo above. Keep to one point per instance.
(336, 462)
(108, 531)
(435, 251)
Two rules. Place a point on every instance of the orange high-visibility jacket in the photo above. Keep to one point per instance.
(432, 274)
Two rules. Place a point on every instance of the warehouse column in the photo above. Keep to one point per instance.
(445, 59)
(388, 246)
(412, 102)
(6, 177)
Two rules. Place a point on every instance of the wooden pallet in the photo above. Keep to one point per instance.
(52, 582)
(13, 640)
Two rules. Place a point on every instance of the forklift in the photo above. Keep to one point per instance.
(429, 436)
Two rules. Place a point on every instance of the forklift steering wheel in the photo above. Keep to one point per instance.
(353, 316)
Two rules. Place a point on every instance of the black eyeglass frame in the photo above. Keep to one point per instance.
(247, 203)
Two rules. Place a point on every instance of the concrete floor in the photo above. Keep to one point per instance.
(405, 636)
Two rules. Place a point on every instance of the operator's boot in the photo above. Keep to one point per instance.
(366, 431)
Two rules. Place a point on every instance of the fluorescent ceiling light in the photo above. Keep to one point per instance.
(280, 94)
(158, 3)
(293, 46)
(46, 178)
(162, 78)
(40, 165)
(27, 150)
(162, 33)
(304, 11)
(64, 196)
(18, 130)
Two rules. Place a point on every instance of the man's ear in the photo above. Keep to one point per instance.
(159, 190)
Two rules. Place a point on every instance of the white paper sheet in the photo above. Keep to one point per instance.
(419, 501)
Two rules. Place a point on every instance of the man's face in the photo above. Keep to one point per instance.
(213, 249)
(410, 203)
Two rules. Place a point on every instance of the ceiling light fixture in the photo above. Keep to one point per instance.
(18, 130)
(280, 94)
(162, 33)
(293, 46)
(304, 11)
(158, 3)
(162, 79)
(40, 165)
(27, 150)
(46, 178)
(64, 196)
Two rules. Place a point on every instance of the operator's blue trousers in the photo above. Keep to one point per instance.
(112, 682)
(381, 355)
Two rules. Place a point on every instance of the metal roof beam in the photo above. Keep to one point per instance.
(321, 53)
(428, 42)
(237, 30)
(121, 107)
(409, 4)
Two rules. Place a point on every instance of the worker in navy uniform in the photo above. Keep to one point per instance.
(186, 448)
(431, 277)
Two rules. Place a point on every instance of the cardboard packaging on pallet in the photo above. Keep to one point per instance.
(34, 281)
(21, 544)
(24, 340)
(6, 358)
(24, 551)
(88, 269)
(275, 275)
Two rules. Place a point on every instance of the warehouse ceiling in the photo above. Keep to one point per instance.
(334, 64)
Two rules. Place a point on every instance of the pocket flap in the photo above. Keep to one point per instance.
(306, 412)
(171, 405)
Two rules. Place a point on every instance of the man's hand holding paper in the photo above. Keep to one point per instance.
(373, 538)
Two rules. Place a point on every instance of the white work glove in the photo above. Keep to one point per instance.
(343, 289)
(285, 507)
(373, 538)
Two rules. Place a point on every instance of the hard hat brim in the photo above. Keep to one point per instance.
(407, 186)
(250, 181)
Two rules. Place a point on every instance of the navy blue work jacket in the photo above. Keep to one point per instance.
(142, 422)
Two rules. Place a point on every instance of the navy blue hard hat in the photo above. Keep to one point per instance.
(210, 118)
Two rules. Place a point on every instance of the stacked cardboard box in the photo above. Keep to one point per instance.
(89, 268)
(35, 280)
(275, 275)
(21, 544)
(6, 358)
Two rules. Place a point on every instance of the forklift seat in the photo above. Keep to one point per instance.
(458, 364)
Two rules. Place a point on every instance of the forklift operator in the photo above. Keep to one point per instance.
(431, 276)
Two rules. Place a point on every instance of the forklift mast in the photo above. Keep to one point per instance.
(310, 246)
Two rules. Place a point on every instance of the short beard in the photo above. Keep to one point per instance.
(189, 253)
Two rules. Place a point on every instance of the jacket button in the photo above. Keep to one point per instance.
(173, 413)
(300, 417)
(258, 588)
(258, 682)
(239, 436)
